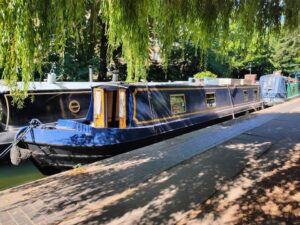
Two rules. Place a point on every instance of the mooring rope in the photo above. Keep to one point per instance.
(32, 124)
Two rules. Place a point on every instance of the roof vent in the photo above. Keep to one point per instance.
(51, 77)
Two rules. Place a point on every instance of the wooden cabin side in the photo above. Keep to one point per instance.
(110, 108)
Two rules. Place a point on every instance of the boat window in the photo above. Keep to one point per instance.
(210, 100)
(177, 103)
(98, 102)
(122, 104)
(255, 95)
(246, 96)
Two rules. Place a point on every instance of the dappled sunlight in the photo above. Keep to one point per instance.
(178, 181)
(238, 189)
(197, 176)
(164, 177)
(256, 196)
(97, 207)
(287, 165)
(115, 167)
(154, 207)
(10, 197)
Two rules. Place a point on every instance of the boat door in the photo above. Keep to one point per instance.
(100, 120)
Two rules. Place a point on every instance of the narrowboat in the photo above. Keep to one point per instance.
(276, 89)
(46, 101)
(293, 87)
(122, 116)
(273, 89)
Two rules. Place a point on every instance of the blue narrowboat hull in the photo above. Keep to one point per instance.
(70, 142)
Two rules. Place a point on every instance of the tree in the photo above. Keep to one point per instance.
(30, 29)
(287, 52)
(258, 59)
(280, 53)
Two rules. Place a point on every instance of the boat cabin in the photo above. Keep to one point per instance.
(52, 101)
(140, 104)
(273, 89)
(293, 86)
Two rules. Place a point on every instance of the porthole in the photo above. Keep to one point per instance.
(74, 106)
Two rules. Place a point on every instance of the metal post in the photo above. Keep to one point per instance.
(231, 102)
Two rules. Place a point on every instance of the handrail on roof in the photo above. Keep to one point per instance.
(117, 85)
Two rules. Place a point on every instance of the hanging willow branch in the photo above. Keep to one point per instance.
(27, 30)
(27, 27)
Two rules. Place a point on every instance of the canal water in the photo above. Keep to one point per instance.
(11, 176)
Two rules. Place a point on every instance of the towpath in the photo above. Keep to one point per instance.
(240, 171)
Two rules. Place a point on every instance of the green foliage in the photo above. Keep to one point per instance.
(205, 74)
(27, 30)
(287, 52)
(282, 52)
(77, 166)
(74, 65)
(31, 29)
(192, 20)
(258, 59)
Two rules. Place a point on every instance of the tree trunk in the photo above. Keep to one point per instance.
(103, 53)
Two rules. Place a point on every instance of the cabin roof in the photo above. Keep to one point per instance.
(116, 85)
(272, 76)
(273, 83)
(44, 86)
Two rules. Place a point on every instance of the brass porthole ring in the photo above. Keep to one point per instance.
(74, 106)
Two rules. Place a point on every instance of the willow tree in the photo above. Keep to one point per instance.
(32, 28)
